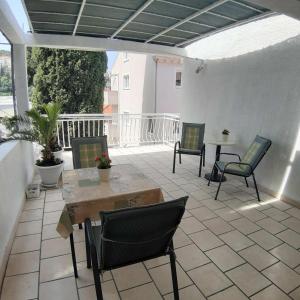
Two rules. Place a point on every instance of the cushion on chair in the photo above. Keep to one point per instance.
(192, 137)
(86, 149)
(189, 151)
(235, 169)
(256, 151)
(252, 157)
(88, 153)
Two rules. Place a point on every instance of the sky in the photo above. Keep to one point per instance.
(111, 57)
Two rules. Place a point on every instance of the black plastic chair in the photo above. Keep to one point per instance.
(192, 143)
(133, 235)
(244, 167)
(86, 149)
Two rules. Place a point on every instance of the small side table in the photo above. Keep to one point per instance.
(218, 143)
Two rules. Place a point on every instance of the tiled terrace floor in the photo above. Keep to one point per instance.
(230, 249)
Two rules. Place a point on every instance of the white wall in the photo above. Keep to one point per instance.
(16, 171)
(257, 93)
(140, 95)
(167, 94)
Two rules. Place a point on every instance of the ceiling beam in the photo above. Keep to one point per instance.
(9, 24)
(79, 16)
(239, 23)
(247, 6)
(98, 44)
(132, 17)
(192, 16)
(221, 16)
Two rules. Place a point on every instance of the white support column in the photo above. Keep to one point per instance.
(20, 78)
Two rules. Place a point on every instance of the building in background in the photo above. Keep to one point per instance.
(147, 83)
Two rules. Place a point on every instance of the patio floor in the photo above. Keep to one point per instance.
(234, 248)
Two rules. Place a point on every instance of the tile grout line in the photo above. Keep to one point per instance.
(40, 258)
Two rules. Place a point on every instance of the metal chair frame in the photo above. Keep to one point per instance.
(251, 173)
(93, 259)
(201, 154)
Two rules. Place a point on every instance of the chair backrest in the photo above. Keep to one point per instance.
(192, 136)
(256, 151)
(86, 149)
(136, 234)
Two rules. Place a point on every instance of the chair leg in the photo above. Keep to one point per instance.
(174, 161)
(174, 275)
(257, 193)
(246, 182)
(211, 174)
(96, 274)
(204, 157)
(219, 186)
(200, 167)
(88, 250)
(180, 158)
(73, 255)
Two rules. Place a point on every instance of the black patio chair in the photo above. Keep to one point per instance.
(85, 150)
(133, 235)
(244, 167)
(191, 143)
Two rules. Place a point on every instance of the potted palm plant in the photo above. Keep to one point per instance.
(40, 128)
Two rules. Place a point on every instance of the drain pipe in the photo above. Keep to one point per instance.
(155, 85)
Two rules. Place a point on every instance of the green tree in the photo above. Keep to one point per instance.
(5, 80)
(73, 78)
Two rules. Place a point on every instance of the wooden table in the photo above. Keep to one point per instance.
(218, 143)
(88, 191)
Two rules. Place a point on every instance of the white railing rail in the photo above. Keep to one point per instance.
(121, 129)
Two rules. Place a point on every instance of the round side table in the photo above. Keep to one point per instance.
(218, 143)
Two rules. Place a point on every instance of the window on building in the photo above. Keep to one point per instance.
(125, 56)
(126, 82)
(114, 82)
(178, 79)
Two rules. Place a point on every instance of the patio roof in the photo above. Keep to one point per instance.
(171, 23)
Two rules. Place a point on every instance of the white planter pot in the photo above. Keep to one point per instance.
(50, 175)
(58, 154)
(225, 137)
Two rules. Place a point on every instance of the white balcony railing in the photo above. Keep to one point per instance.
(121, 129)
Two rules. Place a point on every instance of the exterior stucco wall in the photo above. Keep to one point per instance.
(256, 93)
(168, 95)
(139, 97)
(16, 171)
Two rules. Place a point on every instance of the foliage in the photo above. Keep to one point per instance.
(225, 132)
(103, 161)
(73, 78)
(37, 127)
(5, 81)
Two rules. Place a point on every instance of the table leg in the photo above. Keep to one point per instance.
(73, 255)
(216, 176)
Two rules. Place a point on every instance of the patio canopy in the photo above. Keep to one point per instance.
(175, 23)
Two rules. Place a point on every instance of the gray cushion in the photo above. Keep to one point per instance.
(235, 169)
(189, 151)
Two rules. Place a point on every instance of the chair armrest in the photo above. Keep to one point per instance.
(175, 146)
(231, 154)
(238, 163)
(89, 232)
